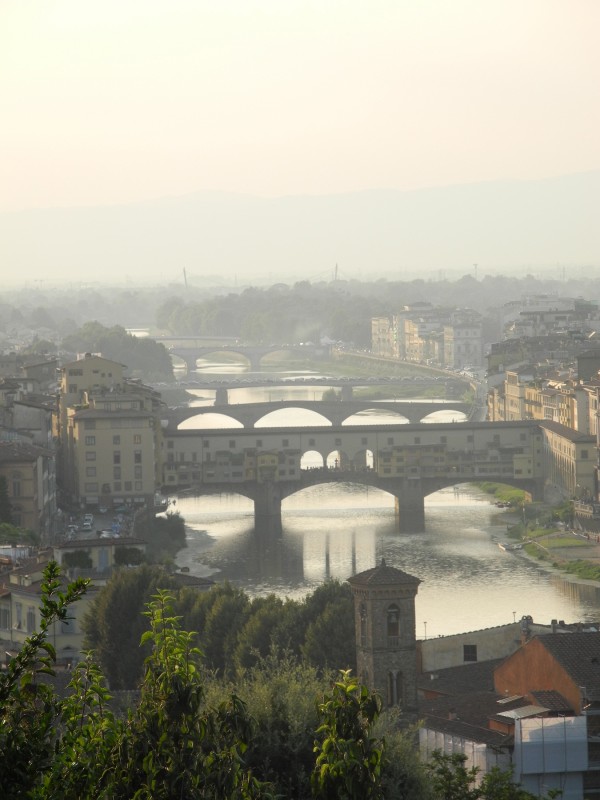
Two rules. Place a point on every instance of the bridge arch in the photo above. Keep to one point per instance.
(210, 420)
(368, 415)
(312, 459)
(280, 417)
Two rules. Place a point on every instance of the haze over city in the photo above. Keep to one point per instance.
(268, 140)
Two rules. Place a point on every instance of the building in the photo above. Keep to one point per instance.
(30, 477)
(110, 435)
(20, 602)
(384, 614)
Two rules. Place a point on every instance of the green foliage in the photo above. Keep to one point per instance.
(143, 356)
(348, 763)
(453, 781)
(115, 623)
(403, 774)
(164, 535)
(330, 639)
(279, 693)
(10, 534)
(188, 735)
(28, 706)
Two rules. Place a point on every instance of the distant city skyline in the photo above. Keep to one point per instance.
(129, 101)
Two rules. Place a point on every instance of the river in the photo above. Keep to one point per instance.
(333, 531)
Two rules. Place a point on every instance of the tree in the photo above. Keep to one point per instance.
(451, 778)
(348, 764)
(115, 623)
(330, 638)
(29, 707)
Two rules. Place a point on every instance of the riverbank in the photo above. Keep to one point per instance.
(567, 553)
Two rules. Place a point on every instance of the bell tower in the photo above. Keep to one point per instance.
(386, 649)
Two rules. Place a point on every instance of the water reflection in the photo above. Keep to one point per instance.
(334, 532)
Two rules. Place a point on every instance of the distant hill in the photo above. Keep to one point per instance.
(501, 226)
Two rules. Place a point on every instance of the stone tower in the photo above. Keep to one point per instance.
(386, 650)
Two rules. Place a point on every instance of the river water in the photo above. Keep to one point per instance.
(332, 531)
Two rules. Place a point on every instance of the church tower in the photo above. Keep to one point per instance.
(386, 649)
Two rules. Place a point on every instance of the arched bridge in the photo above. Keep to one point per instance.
(408, 461)
(335, 411)
(253, 353)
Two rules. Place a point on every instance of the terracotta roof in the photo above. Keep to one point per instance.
(383, 575)
(552, 700)
(578, 654)
(20, 451)
(566, 432)
(468, 716)
(461, 679)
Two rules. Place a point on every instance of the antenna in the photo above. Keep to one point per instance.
(185, 278)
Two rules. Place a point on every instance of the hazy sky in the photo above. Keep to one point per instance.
(125, 100)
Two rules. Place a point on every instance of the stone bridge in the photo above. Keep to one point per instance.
(407, 461)
(253, 353)
(335, 412)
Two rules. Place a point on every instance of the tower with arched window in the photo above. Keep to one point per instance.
(386, 650)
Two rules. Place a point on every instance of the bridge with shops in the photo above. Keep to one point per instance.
(408, 461)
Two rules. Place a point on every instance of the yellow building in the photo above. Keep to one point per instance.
(20, 601)
(110, 435)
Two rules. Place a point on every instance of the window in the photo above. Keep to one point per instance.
(393, 625)
(390, 440)
(117, 473)
(231, 444)
(311, 442)
(363, 625)
(259, 443)
(137, 438)
(417, 440)
(363, 440)
(338, 442)
(117, 486)
(285, 443)
(4, 619)
(137, 457)
(90, 441)
(16, 487)
(170, 444)
(92, 488)
(470, 438)
(116, 440)
(72, 388)
(444, 439)
(469, 652)
(30, 619)
(19, 616)
(137, 472)
(138, 486)
(90, 472)
(117, 457)
(584, 454)
(127, 486)
(206, 443)
(90, 456)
